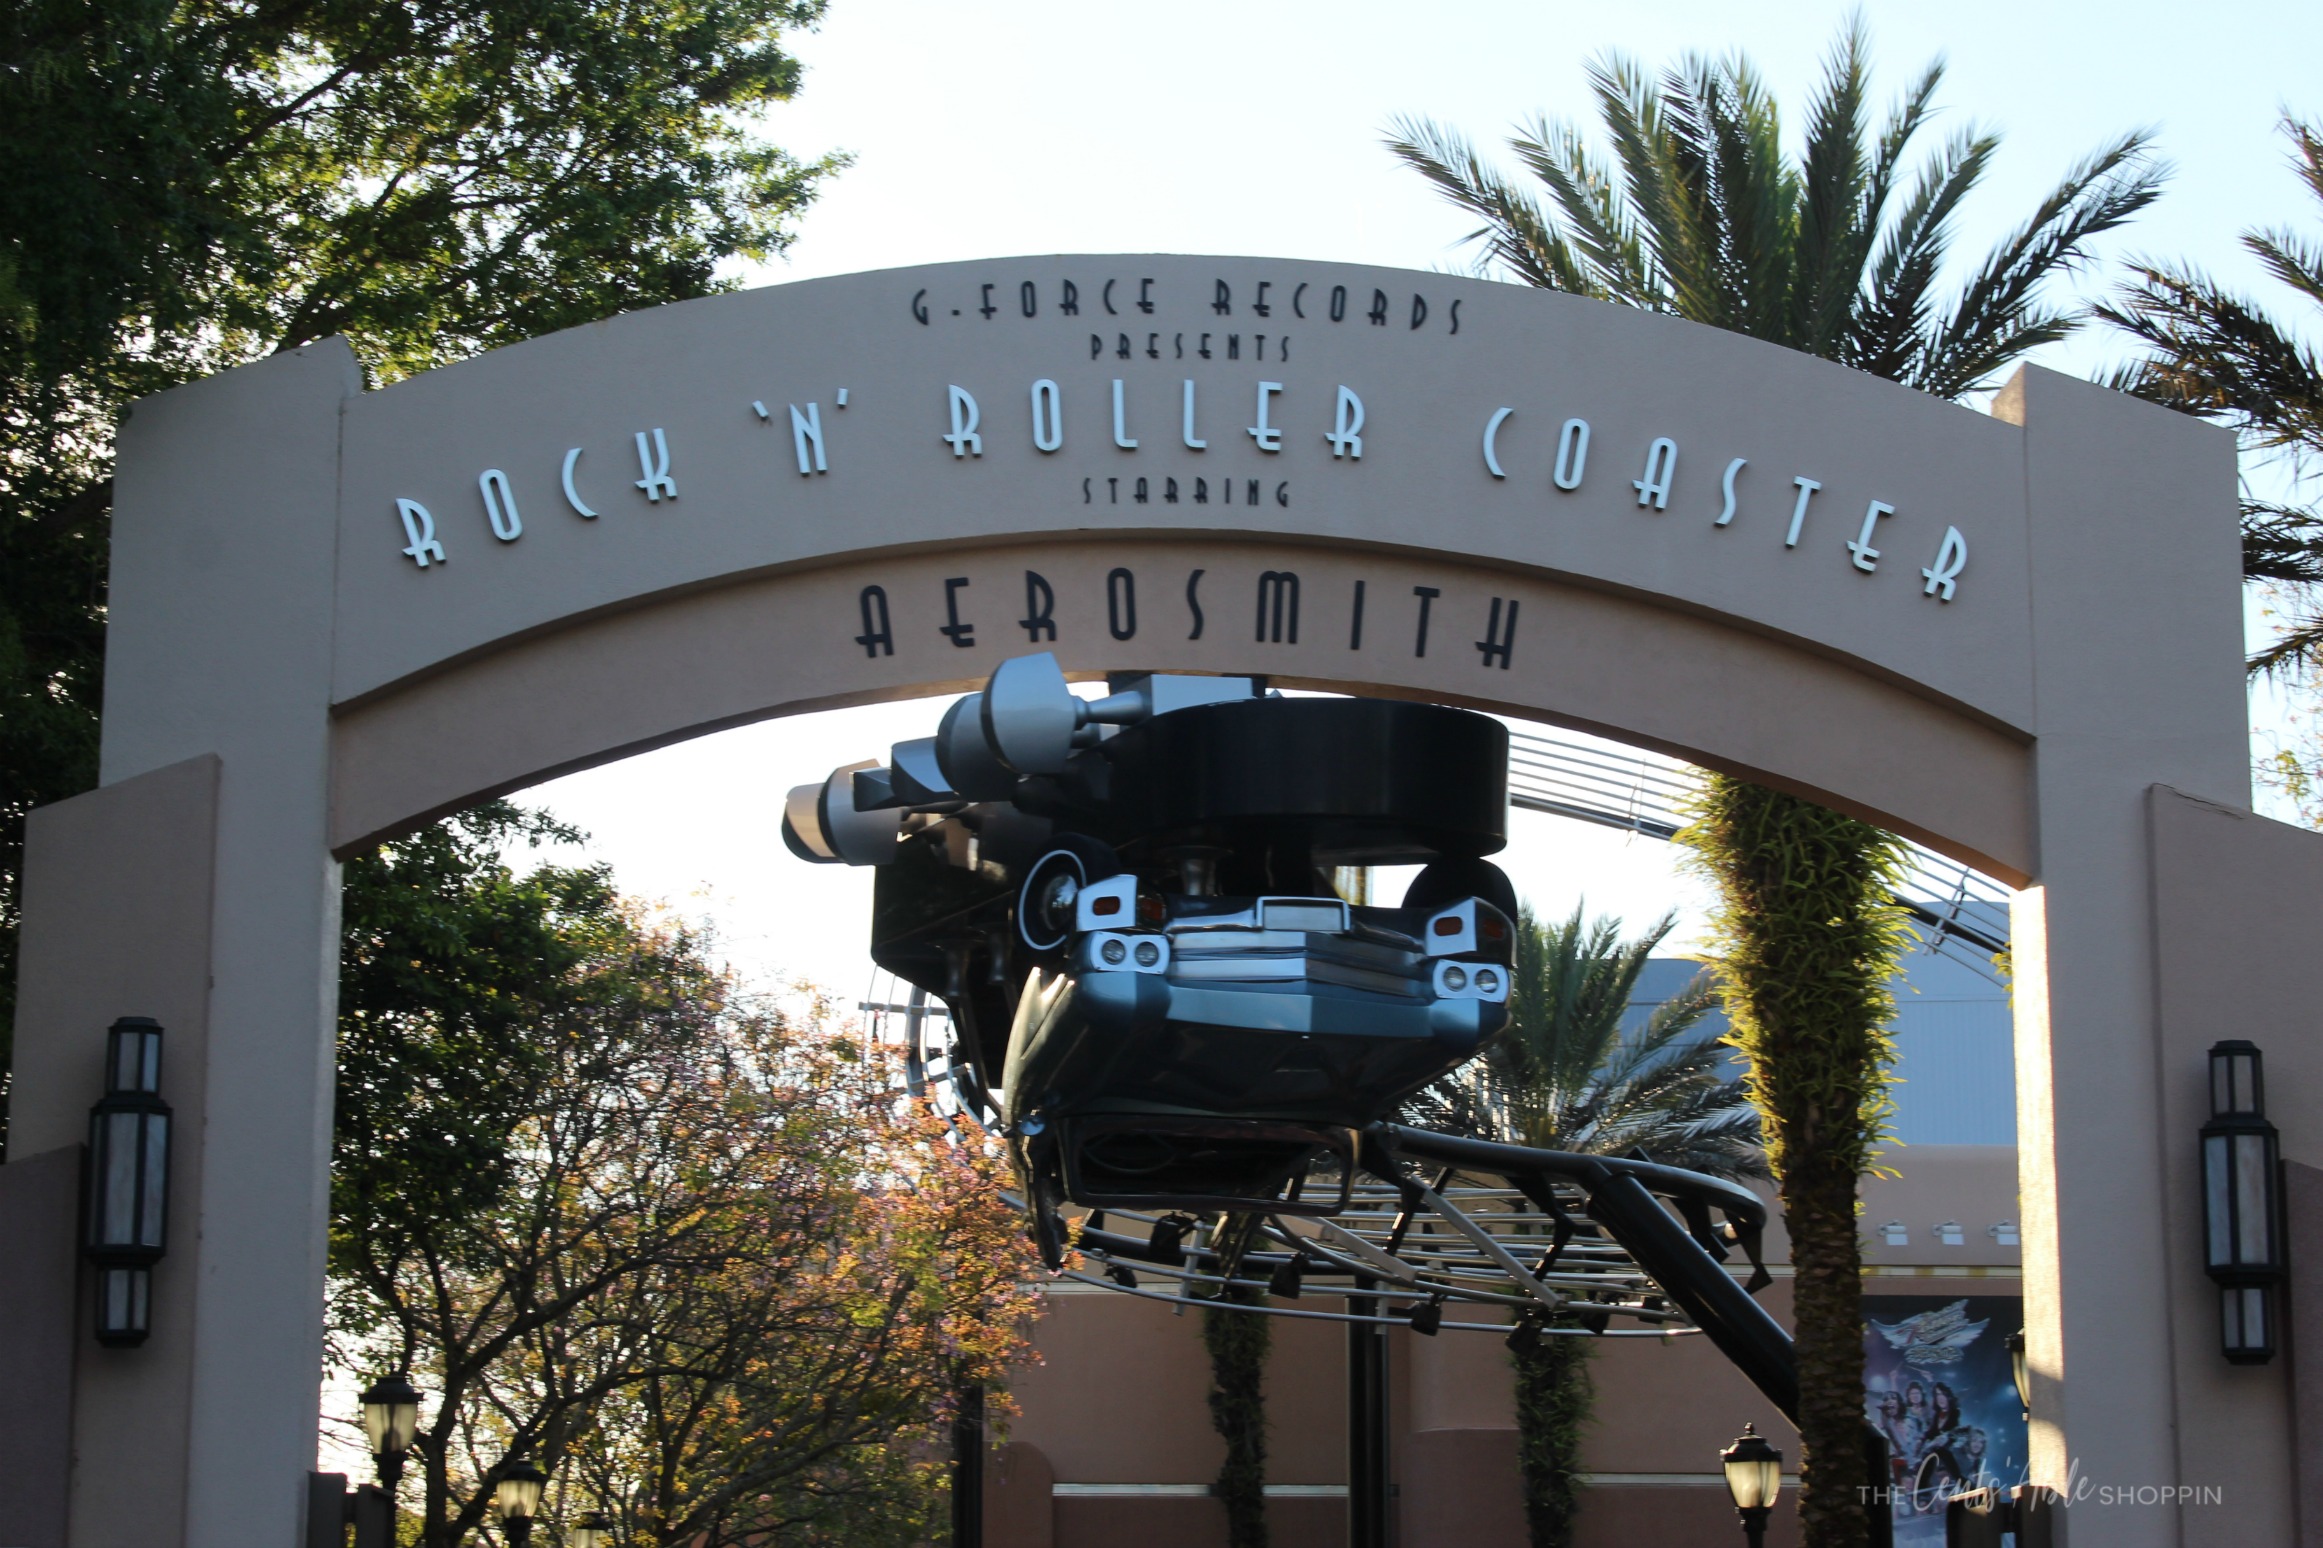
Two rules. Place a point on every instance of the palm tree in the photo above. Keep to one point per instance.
(2220, 356)
(1843, 252)
(1566, 1075)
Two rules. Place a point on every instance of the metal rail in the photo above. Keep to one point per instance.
(1962, 913)
(1557, 1244)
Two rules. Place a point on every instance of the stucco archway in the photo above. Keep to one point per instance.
(337, 613)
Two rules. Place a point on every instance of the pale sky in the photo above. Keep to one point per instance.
(981, 130)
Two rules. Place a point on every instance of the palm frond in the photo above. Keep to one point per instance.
(1839, 188)
(1631, 107)
(2218, 355)
(2293, 653)
(1516, 233)
(2000, 316)
(1756, 195)
(2282, 543)
(2290, 258)
(2307, 143)
(1600, 224)
(1567, 1075)
(1892, 323)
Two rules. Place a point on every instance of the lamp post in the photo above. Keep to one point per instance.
(1754, 1477)
(391, 1423)
(516, 1496)
(128, 1192)
(2241, 1207)
(594, 1530)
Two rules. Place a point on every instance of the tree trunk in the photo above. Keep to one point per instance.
(1809, 935)
(1553, 1395)
(1238, 1343)
(1827, 1260)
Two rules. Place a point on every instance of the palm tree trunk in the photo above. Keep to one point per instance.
(1553, 1397)
(1238, 1343)
(1826, 1257)
(1808, 936)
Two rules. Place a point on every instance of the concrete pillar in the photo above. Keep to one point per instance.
(2130, 521)
(117, 896)
(218, 670)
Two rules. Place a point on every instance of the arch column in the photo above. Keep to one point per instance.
(2117, 494)
(197, 886)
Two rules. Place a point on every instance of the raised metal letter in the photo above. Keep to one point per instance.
(572, 495)
(654, 464)
(1572, 454)
(1491, 436)
(420, 527)
(964, 440)
(1661, 465)
(1121, 436)
(500, 505)
(1807, 488)
(1866, 556)
(1727, 484)
(1346, 435)
(1269, 438)
(1944, 574)
(806, 435)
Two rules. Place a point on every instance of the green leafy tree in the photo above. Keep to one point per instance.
(190, 186)
(687, 1249)
(1842, 251)
(1566, 1075)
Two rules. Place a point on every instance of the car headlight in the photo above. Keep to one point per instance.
(1471, 981)
(1114, 951)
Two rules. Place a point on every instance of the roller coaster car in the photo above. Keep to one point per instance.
(1128, 906)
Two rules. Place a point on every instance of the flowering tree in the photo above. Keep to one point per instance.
(687, 1249)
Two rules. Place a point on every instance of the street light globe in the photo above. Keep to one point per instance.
(1754, 1471)
(594, 1530)
(517, 1495)
(391, 1415)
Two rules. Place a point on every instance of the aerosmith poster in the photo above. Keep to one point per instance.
(1939, 1385)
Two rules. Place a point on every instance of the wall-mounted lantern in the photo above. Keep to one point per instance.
(126, 1229)
(2241, 1203)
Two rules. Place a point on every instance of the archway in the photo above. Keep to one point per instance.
(338, 613)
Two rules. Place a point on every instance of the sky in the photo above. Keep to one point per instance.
(982, 130)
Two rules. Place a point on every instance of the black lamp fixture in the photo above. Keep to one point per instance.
(390, 1423)
(2241, 1203)
(594, 1530)
(1754, 1477)
(2019, 1369)
(126, 1230)
(516, 1496)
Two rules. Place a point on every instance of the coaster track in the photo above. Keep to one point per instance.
(1962, 913)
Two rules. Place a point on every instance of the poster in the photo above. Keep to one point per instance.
(1939, 1385)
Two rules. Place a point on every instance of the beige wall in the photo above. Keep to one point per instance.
(1733, 698)
(1118, 1398)
(694, 371)
(117, 909)
(2237, 898)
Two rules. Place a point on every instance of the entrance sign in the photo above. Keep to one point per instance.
(337, 613)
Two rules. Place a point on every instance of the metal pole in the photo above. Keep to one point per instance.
(1367, 1486)
(968, 1470)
